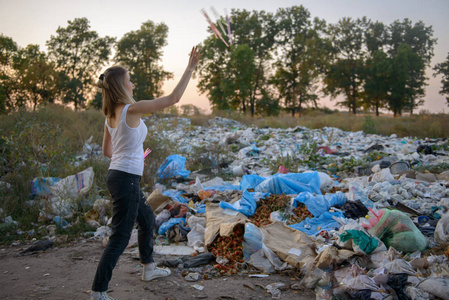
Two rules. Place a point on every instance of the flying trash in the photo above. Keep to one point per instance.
(220, 22)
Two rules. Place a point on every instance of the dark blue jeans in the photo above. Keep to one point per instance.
(129, 206)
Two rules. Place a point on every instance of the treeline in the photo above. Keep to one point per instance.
(286, 60)
(67, 73)
(274, 61)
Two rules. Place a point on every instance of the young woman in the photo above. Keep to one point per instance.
(124, 134)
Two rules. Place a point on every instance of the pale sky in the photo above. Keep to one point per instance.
(34, 21)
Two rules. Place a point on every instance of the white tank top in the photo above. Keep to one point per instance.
(127, 145)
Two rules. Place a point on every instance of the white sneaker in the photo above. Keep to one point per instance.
(100, 296)
(151, 272)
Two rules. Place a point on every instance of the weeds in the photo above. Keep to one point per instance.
(436, 169)
(291, 162)
(369, 126)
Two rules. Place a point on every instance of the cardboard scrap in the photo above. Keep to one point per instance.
(291, 245)
(219, 223)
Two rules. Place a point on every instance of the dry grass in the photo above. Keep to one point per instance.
(419, 126)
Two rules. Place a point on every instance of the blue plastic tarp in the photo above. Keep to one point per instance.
(173, 165)
(250, 181)
(247, 205)
(291, 183)
(313, 226)
(222, 188)
(319, 204)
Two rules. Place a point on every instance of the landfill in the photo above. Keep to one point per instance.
(357, 215)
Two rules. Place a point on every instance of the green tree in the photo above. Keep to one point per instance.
(141, 51)
(190, 110)
(301, 53)
(377, 80)
(421, 42)
(211, 71)
(8, 49)
(403, 63)
(238, 85)
(96, 102)
(257, 30)
(79, 54)
(37, 80)
(224, 72)
(443, 69)
(377, 37)
(344, 74)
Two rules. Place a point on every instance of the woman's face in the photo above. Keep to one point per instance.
(128, 84)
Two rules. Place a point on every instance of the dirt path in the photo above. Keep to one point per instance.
(66, 273)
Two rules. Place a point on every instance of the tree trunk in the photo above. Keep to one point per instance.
(252, 100)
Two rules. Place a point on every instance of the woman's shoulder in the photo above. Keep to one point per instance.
(132, 116)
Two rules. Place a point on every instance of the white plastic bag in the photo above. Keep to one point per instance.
(442, 230)
(195, 238)
(74, 185)
(437, 286)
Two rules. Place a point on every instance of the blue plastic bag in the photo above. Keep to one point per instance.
(313, 226)
(200, 208)
(175, 195)
(319, 204)
(173, 165)
(40, 186)
(169, 224)
(252, 240)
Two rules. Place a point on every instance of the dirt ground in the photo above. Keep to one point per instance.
(66, 272)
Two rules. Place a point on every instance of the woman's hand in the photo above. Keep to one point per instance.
(143, 107)
(195, 56)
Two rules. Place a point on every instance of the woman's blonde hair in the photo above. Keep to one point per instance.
(113, 89)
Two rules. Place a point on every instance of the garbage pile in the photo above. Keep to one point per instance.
(358, 215)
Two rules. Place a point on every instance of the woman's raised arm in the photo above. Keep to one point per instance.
(144, 107)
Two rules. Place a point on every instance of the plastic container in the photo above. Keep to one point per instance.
(399, 166)
(239, 171)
